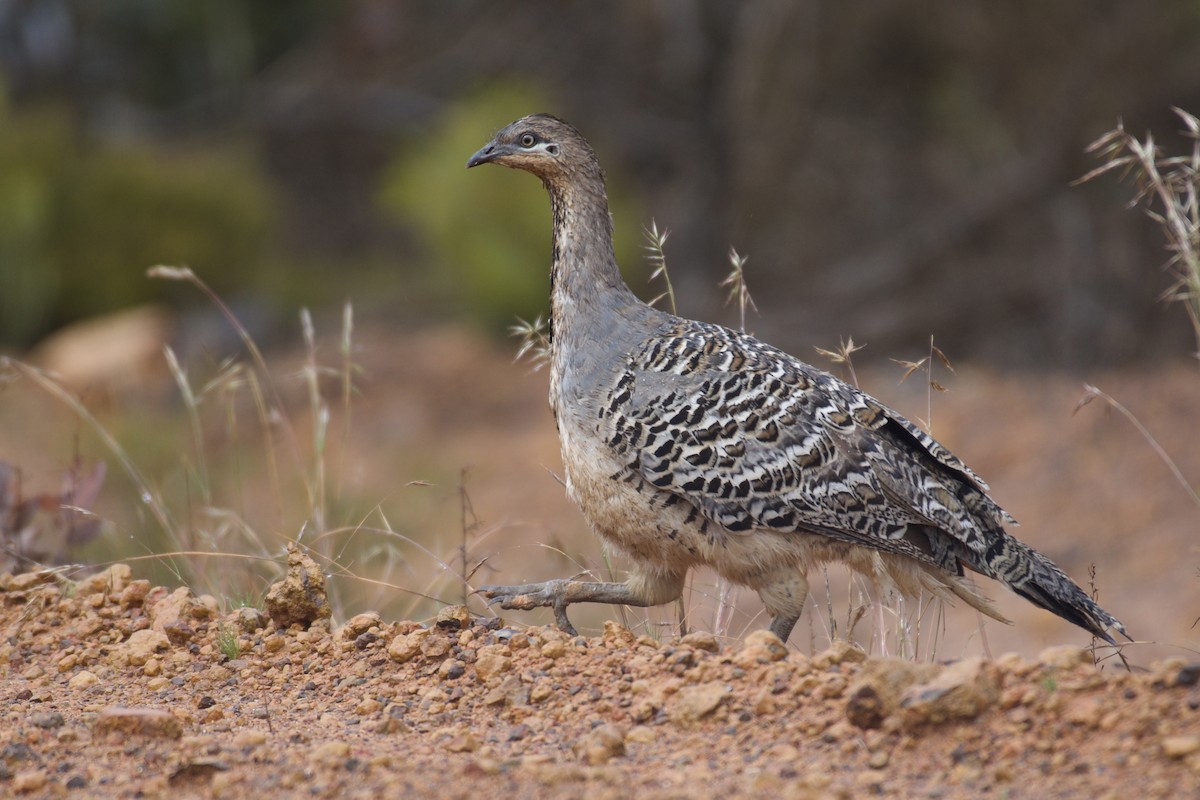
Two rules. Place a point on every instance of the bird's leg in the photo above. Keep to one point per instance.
(783, 592)
(642, 589)
(782, 626)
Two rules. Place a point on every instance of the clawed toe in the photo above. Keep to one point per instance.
(518, 597)
(525, 598)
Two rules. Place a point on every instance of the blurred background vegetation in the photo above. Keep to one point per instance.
(894, 170)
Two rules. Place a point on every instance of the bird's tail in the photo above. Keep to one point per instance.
(1036, 578)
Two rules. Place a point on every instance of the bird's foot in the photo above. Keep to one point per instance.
(550, 594)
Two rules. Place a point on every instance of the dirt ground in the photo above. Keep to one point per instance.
(112, 688)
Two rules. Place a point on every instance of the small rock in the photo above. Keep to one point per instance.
(602, 744)
(1188, 676)
(152, 667)
(453, 618)
(173, 609)
(641, 734)
(839, 652)
(962, 690)
(617, 635)
(407, 646)
(246, 740)
(1085, 712)
(489, 665)
(435, 646)
(696, 702)
(300, 598)
(29, 781)
(82, 680)
(111, 581)
(360, 624)
(46, 721)
(760, 647)
(141, 646)
(330, 752)
(201, 768)
(876, 693)
(451, 668)
(866, 708)
(368, 706)
(1064, 656)
(179, 632)
(512, 691)
(554, 649)
(134, 594)
(1180, 746)
(702, 640)
(878, 760)
(249, 619)
(137, 721)
(207, 607)
(463, 743)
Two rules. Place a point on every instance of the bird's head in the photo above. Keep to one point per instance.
(541, 144)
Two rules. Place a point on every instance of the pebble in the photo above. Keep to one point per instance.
(1180, 746)
(368, 706)
(702, 640)
(839, 652)
(963, 690)
(453, 618)
(47, 721)
(141, 647)
(696, 702)
(1064, 656)
(602, 744)
(489, 665)
(249, 739)
(463, 743)
(330, 752)
(435, 646)
(147, 722)
(250, 620)
(30, 781)
(360, 624)
(406, 646)
(451, 669)
(134, 594)
(114, 579)
(82, 680)
(760, 647)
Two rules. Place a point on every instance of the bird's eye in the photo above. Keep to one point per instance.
(527, 140)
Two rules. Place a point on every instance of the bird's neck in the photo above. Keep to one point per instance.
(585, 282)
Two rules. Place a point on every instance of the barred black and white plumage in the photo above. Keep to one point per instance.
(688, 444)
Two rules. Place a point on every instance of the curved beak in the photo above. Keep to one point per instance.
(488, 153)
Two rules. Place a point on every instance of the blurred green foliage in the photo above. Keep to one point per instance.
(80, 225)
(487, 230)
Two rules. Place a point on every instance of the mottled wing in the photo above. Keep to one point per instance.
(757, 439)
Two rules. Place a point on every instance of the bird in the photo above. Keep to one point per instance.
(687, 444)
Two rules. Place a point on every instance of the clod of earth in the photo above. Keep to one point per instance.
(298, 599)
